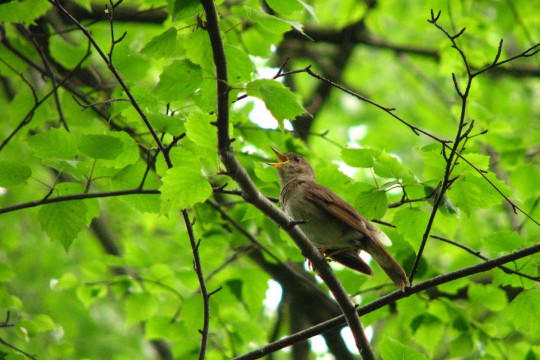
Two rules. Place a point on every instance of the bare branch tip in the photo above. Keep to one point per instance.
(434, 17)
(458, 34)
(120, 38)
(215, 291)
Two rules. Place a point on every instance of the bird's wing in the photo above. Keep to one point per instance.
(338, 208)
(372, 243)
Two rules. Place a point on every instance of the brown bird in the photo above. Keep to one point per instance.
(331, 223)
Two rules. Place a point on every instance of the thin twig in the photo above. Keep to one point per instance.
(12, 347)
(30, 114)
(461, 135)
(51, 200)
(107, 58)
(480, 256)
(50, 72)
(106, 102)
(202, 284)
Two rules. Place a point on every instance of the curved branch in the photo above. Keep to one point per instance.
(252, 195)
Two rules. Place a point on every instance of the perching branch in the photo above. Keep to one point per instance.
(253, 196)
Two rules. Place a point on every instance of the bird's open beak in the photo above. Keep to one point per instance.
(282, 157)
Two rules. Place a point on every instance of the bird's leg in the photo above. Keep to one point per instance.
(292, 223)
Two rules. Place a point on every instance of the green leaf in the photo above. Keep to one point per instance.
(140, 307)
(471, 191)
(236, 288)
(12, 174)
(88, 294)
(100, 146)
(185, 8)
(129, 153)
(503, 241)
(173, 125)
(525, 178)
(489, 296)
(481, 161)
(360, 158)
(392, 349)
(279, 100)
(239, 65)
(54, 144)
(384, 165)
(178, 80)
(6, 273)
(67, 281)
(37, 324)
(8, 301)
(372, 203)
(272, 23)
(23, 11)
(163, 45)
(67, 53)
(199, 50)
(159, 327)
(411, 223)
(523, 312)
(285, 7)
(462, 345)
(183, 186)
(200, 131)
(62, 221)
(387, 166)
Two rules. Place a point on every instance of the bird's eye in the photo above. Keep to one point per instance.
(296, 159)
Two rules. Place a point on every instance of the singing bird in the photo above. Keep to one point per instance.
(337, 229)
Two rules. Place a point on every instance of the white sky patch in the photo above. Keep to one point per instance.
(260, 114)
(357, 133)
(3, 191)
(318, 345)
(346, 169)
(347, 336)
(273, 297)
(365, 256)
(351, 103)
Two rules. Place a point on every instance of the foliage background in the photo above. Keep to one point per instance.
(127, 289)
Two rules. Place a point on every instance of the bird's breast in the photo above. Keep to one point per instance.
(322, 229)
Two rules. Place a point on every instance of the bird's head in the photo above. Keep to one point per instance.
(292, 166)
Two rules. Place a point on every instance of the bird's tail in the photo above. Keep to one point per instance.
(389, 265)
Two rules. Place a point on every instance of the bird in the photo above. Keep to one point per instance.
(334, 226)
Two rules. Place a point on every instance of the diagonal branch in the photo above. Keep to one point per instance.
(28, 117)
(107, 58)
(479, 255)
(390, 299)
(252, 195)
